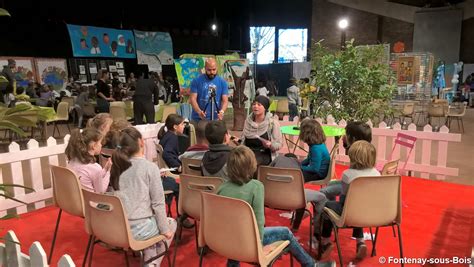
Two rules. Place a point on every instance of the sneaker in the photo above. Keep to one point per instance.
(361, 250)
(325, 264)
(326, 250)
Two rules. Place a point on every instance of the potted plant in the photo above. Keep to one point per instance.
(353, 83)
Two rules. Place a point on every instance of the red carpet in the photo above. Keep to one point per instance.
(438, 222)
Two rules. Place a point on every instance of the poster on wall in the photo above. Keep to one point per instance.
(89, 41)
(154, 44)
(93, 68)
(24, 71)
(82, 69)
(52, 71)
(406, 70)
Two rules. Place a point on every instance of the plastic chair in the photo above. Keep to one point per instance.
(189, 204)
(407, 112)
(67, 196)
(282, 107)
(229, 228)
(191, 166)
(167, 110)
(457, 116)
(284, 190)
(118, 112)
(62, 115)
(161, 162)
(437, 111)
(404, 140)
(109, 224)
(371, 202)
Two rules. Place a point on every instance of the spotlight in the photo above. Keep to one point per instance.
(343, 23)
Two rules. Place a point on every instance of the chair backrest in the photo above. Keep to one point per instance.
(284, 187)
(408, 109)
(191, 166)
(390, 168)
(229, 228)
(67, 190)
(190, 188)
(107, 219)
(118, 104)
(167, 110)
(159, 151)
(282, 106)
(62, 113)
(373, 201)
(118, 112)
(69, 100)
(192, 134)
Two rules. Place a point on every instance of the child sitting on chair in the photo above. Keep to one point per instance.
(241, 166)
(362, 157)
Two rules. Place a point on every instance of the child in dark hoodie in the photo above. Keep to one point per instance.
(214, 161)
(168, 136)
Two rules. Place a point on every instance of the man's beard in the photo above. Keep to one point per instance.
(210, 76)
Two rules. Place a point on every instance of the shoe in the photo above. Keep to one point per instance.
(187, 224)
(325, 264)
(326, 250)
(361, 251)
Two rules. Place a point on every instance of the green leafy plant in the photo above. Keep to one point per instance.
(353, 83)
(22, 115)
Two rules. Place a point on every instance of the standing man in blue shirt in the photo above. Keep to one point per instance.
(203, 88)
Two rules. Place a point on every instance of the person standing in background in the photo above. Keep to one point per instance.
(294, 99)
(103, 92)
(144, 99)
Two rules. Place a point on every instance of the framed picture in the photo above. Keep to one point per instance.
(121, 72)
(112, 68)
(93, 68)
(122, 79)
(52, 71)
(82, 69)
(83, 78)
(119, 65)
(103, 65)
(406, 70)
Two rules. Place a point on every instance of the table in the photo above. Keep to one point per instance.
(290, 130)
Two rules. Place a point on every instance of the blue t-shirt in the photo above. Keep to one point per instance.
(200, 85)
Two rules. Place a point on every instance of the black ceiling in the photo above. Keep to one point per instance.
(427, 3)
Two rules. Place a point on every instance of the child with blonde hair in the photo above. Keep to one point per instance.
(362, 157)
(80, 152)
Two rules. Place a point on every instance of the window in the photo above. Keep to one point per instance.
(292, 45)
(262, 43)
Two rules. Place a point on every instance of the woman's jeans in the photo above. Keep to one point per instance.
(273, 234)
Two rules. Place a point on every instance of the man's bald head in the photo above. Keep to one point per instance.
(211, 68)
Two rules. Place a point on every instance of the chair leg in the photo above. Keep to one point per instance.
(374, 241)
(310, 230)
(201, 256)
(177, 238)
(196, 236)
(337, 244)
(92, 251)
(393, 227)
(54, 236)
(167, 251)
(126, 258)
(400, 242)
(87, 251)
(68, 128)
(462, 125)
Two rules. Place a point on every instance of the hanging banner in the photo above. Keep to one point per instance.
(156, 45)
(187, 69)
(88, 41)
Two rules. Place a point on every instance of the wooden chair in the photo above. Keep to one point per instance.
(118, 112)
(190, 188)
(109, 223)
(282, 107)
(371, 202)
(191, 166)
(284, 190)
(229, 228)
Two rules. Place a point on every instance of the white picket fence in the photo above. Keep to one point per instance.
(427, 160)
(30, 167)
(11, 255)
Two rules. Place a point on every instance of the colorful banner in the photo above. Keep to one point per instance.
(52, 71)
(88, 41)
(24, 72)
(155, 44)
(187, 69)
